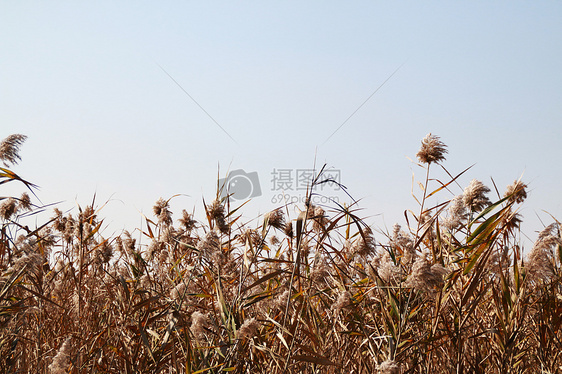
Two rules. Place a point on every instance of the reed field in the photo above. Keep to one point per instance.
(449, 291)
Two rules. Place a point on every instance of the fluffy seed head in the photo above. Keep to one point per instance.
(424, 276)
(365, 245)
(187, 221)
(104, 252)
(248, 329)
(318, 216)
(540, 263)
(179, 291)
(25, 202)
(457, 213)
(432, 150)
(320, 272)
(343, 300)
(127, 243)
(281, 300)
(216, 212)
(61, 360)
(7, 208)
(386, 268)
(69, 226)
(58, 221)
(389, 367)
(474, 196)
(31, 260)
(252, 239)
(274, 240)
(162, 211)
(516, 192)
(199, 322)
(210, 247)
(276, 219)
(403, 243)
(10, 147)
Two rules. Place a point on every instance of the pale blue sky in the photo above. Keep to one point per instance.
(83, 81)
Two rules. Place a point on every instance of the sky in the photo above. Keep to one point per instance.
(133, 101)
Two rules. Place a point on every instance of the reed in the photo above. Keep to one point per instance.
(451, 292)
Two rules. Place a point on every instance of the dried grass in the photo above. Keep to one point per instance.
(312, 294)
